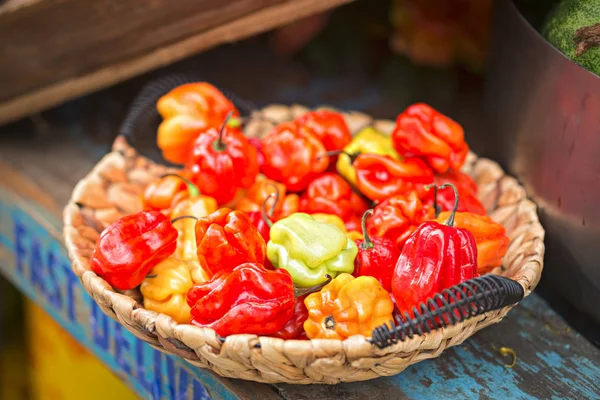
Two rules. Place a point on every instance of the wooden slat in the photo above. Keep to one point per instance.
(60, 49)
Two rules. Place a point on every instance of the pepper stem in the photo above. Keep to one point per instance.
(450, 221)
(299, 292)
(263, 211)
(436, 206)
(191, 188)
(276, 193)
(367, 243)
(183, 217)
(219, 145)
(352, 156)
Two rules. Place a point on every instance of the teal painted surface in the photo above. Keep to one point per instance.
(38, 265)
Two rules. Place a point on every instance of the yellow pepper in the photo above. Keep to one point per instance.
(165, 289)
(369, 141)
(336, 221)
(347, 306)
(355, 235)
(197, 206)
(331, 219)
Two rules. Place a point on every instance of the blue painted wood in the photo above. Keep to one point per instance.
(37, 264)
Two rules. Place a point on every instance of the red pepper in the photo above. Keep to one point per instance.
(435, 257)
(222, 162)
(248, 299)
(129, 248)
(398, 217)
(377, 256)
(294, 328)
(331, 194)
(262, 219)
(379, 177)
(294, 156)
(260, 156)
(424, 132)
(259, 222)
(226, 239)
(329, 127)
(444, 198)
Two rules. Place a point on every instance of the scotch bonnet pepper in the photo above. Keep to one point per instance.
(248, 299)
(367, 141)
(490, 238)
(328, 126)
(347, 306)
(165, 289)
(398, 217)
(294, 328)
(331, 194)
(377, 256)
(435, 257)
(187, 110)
(310, 250)
(129, 248)
(443, 200)
(283, 205)
(164, 193)
(293, 155)
(226, 239)
(380, 177)
(424, 132)
(223, 162)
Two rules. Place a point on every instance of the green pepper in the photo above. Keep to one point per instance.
(310, 250)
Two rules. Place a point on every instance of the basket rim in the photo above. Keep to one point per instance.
(188, 341)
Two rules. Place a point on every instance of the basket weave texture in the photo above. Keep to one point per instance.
(114, 187)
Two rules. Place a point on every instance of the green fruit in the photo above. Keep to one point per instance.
(573, 27)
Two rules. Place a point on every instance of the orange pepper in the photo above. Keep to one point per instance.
(187, 110)
(261, 190)
(347, 306)
(490, 238)
(164, 193)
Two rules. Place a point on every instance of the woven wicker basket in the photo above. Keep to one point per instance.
(113, 189)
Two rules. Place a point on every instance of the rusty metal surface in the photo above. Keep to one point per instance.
(543, 118)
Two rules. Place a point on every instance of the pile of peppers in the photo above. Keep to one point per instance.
(306, 233)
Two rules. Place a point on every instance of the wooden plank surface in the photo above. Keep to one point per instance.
(60, 49)
(553, 360)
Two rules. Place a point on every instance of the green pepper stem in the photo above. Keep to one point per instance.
(436, 207)
(352, 156)
(266, 218)
(367, 243)
(219, 145)
(450, 221)
(183, 217)
(299, 292)
(191, 188)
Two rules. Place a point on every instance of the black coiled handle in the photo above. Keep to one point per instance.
(465, 300)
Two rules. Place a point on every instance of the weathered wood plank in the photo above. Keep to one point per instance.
(108, 42)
